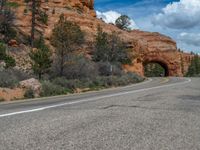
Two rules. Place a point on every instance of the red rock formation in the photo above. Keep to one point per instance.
(160, 49)
(148, 47)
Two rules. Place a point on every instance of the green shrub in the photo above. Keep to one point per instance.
(61, 85)
(2, 51)
(20, 75)
(104, 69)
(51, 89)
(134, 78)
(12, 4)
(43, 17)
(77, 67)
(83, 68)
(125, 79)
(63, 82)
(29, 93)
(72, 84)
(10, 78)
(10, 61)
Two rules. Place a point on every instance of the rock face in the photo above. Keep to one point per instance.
(147, 46)
(160, 49)
(7, 94)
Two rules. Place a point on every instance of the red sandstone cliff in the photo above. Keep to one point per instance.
(147, 46)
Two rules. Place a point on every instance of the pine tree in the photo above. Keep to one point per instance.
(6, 21)
(110, 48)
(10, 61)
(194, 68)
(41, 58)
(101, 46)
(38, 16)
(66, 38)
(123, 22)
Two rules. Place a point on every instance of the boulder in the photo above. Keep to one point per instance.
(7, 94)
(32, 84)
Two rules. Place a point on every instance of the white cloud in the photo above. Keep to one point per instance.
(111, 17)
(190, 38)
(179, 15)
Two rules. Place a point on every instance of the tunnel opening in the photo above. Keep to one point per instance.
(155, 69)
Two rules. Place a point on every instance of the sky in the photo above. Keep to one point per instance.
(179, 19)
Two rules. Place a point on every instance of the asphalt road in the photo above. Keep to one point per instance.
(159, 114)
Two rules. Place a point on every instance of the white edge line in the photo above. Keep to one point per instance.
(91, 99)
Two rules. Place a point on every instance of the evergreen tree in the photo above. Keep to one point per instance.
(10, 61)
(41, 58)
(194, 68)
(101, 46)
(38, 16)
(6, 21)
(66, 38)
(123, 22)
(118, 51)
(110, 48)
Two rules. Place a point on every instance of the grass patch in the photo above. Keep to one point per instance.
(13, 4)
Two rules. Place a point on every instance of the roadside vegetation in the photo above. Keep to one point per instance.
(65, 68)
(9, 76)
(194, 68)
(71, 71)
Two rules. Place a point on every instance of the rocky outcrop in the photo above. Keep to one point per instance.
(7, 94)
(158, 48)
(147, 46)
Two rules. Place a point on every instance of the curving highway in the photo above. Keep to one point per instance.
(158, 114)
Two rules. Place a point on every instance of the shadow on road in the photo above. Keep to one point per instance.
(190, 97)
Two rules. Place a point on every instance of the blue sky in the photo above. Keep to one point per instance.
(179, 19)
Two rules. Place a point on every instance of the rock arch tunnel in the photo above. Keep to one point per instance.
(161, 70)
(169, 60)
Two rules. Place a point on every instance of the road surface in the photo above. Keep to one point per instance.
(159, 114)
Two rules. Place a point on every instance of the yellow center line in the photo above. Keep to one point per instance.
(164, 80)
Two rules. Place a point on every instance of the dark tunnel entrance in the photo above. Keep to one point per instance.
(155, 69)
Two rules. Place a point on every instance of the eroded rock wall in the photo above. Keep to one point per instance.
(146, 46)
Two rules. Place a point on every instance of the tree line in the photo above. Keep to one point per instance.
(194, 68)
